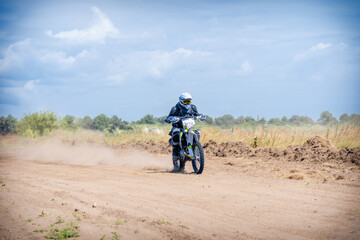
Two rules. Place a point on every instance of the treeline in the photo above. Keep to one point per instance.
(326, 118)
(38, 124)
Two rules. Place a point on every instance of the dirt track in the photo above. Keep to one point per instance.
(235, 198)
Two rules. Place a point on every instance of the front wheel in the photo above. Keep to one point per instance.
(198, 162)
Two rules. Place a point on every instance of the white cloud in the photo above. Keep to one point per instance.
(102, 29)
(58, 58)
(11, 55)
(246, 67)
(61, 58)
(161, 62)
(30, 85)
(320, 46)
(25, 55)
(117, 78)
(311, 51)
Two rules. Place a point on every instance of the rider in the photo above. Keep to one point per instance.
(181, 109)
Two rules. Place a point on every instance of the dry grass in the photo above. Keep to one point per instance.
(296, 177)
(339, 136)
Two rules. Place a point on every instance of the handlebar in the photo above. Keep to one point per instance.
(176, 119)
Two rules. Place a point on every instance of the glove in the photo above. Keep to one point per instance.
(173, 119)
(202, 118)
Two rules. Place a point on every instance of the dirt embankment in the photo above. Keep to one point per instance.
(316, 149)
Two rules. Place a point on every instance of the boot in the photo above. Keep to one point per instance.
(182, 166)
(176, 152)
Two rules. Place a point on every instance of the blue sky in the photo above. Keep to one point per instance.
(131, 58)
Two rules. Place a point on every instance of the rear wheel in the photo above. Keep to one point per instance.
(199, 161)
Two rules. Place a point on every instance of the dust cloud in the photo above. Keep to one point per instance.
(55, 151)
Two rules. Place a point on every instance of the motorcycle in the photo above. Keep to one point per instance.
(190, 147)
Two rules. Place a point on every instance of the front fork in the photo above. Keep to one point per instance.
(190, 136)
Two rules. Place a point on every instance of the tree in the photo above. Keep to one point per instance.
(68, 122)
(274, 121)
(249, 119)
(7, 125)
(86, 122)
(354, 119)
(148, 119)
(225, 120)
(240, 120)
(262, 120)
(326, 118)
(38, 124)
(294, 119)
(117, 123)
(101, 122)
(306, 120)
(344, 118)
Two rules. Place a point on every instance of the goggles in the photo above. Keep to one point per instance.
(186, 101)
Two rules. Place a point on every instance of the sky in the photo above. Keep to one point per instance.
(132, 58)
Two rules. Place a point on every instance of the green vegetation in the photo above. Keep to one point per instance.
(71, 231)
(43, 214)
(259, 132)
(7, 125)
(42, 123)
(115, 236)
(120, 222)
(37, 124)
(59, 220)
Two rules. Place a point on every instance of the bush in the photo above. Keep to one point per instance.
(38, 124)
(101, 122)
(148, 119)
(68, 122)
(86, 122)
(7, 125)
(326, 118)
(116, 124)
(226, 120)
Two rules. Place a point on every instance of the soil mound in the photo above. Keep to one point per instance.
(316, 149)
(350, 155)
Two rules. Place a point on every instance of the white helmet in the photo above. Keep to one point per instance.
(185, 100)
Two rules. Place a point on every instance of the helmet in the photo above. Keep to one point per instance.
(185, 100)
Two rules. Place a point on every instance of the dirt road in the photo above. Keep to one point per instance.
(233, 199)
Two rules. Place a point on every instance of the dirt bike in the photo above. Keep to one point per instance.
(190, 147)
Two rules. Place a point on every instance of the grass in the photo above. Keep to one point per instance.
(59, 220)
(43, 214)
(76, 216)
(115, 236)
(282, 137)
(296, 177)
(120, 222)
(70, 231)
(162, 221)
(340, 136)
